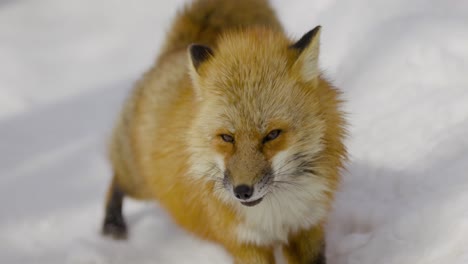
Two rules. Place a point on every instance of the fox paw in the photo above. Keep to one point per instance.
(115, 228)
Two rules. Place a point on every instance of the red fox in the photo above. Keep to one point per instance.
(235, 133)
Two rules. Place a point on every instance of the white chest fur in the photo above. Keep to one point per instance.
(281, 213)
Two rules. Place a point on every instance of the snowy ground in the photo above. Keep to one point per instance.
(65, 67)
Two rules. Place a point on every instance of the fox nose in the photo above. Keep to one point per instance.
(243, 192)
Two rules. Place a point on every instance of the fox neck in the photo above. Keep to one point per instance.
(281, 213)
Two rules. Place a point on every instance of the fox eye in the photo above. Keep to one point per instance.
(272, 135)
(227, 138)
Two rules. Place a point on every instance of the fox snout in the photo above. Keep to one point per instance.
(249, 193)
(247, 172)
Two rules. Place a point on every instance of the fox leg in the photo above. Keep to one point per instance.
(306, 247)
(114, 222)
(246, 254)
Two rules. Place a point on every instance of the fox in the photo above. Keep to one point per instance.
(235, 132)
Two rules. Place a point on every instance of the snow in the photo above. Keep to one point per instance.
(66, 66)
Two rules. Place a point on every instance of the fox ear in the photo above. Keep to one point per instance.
(198, 54)
(308, 47)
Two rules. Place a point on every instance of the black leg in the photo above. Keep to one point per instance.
(114, 223)
(320, 259)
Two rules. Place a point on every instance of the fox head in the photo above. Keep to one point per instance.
(267, 124)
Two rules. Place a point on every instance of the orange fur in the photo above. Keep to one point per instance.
(166, 144)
